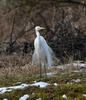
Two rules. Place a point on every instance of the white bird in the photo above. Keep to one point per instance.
(43, 55)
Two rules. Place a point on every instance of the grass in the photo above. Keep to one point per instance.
(24, 72)
(73, 91)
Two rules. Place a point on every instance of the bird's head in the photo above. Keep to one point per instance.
(37, 28)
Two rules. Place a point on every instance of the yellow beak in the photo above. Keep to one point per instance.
(41, 28)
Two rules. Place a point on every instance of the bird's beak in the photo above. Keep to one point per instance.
(42, 28)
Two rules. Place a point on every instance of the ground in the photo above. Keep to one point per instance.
(58, 85)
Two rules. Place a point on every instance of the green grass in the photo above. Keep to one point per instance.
(51, 92)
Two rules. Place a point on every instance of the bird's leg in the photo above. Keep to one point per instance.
(45, 71)
(40, 72)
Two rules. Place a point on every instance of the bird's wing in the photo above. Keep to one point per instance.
(48, 51)
(45, 45)
(43, 42)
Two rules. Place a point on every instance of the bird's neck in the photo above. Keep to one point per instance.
(37, 33)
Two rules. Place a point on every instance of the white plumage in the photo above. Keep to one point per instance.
(43, 54)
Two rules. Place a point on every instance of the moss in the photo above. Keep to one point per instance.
(12, 80)
(51, 92)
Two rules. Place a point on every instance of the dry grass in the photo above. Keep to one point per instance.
(15, 65)
(20, 69)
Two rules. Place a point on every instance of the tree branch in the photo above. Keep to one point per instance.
(47, 26)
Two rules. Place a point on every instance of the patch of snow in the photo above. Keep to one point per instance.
(78, 61)
(39, 99)
(64, 96)
(61, 66)
(84, 95)
(5, 99)
(8, 89)
(55, 84)
(3, 90)
(22, 86)
(33, 93)
(35, 81)
(51, 73)
(40, 84)
(79, 64)
(26, 96)
(75, 63)
(77, 71)
(17, 83)
(77, 80)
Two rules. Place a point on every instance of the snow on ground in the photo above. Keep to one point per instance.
(84, 95)
(4, 89)
(40, 84)
(26, 96)
(43, 84)
(51, 73)
(8, 89)
(76, 71)
(5, 99)
(75, 64)
(22, 86)
(77, 80)
(17, 83)
(79, 64)
(35, 81)
(56, 84)
(64, 96)
(60, 66)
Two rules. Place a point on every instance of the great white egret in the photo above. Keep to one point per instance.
(43, 54)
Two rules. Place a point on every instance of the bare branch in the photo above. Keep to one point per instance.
(44, 20)
(22, 33)
(11, 34)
